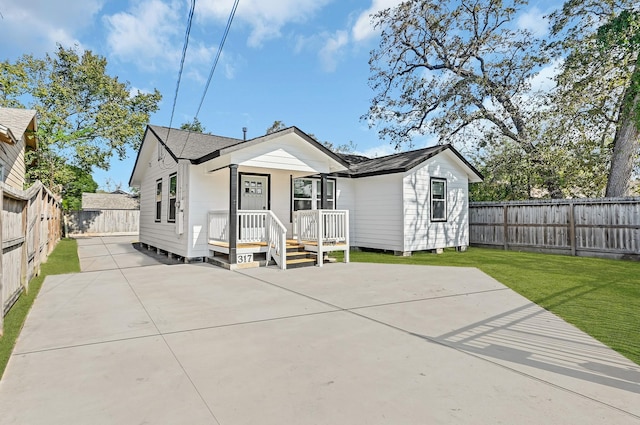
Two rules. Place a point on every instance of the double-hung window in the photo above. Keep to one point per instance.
(307, 194)
(158, 199)
(438, 199)
(173, 184)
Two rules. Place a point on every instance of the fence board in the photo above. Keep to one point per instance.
(30, 229)
(607, 227)
(104, 222)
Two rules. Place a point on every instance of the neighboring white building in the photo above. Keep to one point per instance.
(17, 132)
(197, 190)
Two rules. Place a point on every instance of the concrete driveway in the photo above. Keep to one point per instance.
(138, 342)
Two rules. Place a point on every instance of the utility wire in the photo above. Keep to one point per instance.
(215, 62)
(184, 54)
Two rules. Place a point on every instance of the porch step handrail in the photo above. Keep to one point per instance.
(254, 226)
(327, 229)
(277, 241)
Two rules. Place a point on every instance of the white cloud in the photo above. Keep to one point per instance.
(363, 28)
(266, 18)
(545, 79)
(147, 34)
(377, 151)
(534, 20)
(35, 26)
(331, 50)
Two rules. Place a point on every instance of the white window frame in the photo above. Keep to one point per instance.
(158, 213)
(171, 213)
(437, 199)
(316, 199)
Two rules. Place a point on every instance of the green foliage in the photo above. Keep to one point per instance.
(79, 181)
(599, 86)
(601, 297)
(344, 148)
(276, 126)
(458, 69)
(194, 126)
(85, 116)
(63, 259)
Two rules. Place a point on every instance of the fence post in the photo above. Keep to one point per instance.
(24, 268)
(505, 228)
(572, 227)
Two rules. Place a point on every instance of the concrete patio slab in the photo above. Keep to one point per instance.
(121, 248)
(507, 329)
(337, 368)
(85, 241)
(124, 382)
(343, 344)
(185, 297)
(89, 251)
(360, 284)
(84, 308)
(92, 264)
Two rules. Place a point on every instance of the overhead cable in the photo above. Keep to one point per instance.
(215, 62)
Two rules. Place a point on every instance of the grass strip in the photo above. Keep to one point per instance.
(599, 296)
(63, 259)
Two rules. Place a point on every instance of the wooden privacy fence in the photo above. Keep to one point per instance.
(607, 227)
(30, 229)
(102, 222)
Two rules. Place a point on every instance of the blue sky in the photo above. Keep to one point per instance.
(304, 62)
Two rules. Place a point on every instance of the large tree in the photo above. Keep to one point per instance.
(462, 70)
(85, 116)
(600, 79)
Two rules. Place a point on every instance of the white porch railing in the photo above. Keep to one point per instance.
(258, 226)
(327, 229)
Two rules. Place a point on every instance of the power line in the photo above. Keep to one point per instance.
(184, 54)
(215, 62)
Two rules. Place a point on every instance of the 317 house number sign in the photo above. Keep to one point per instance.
(244, 258)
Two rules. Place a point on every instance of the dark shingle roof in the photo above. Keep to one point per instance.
(199, 147)
(183, 144)
(360, 166)
(109, 201)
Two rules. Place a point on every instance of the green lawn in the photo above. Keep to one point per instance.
(63, 259)
(601, 297)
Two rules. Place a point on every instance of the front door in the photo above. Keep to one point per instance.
(254, 192)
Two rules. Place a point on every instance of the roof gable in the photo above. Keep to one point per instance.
(17, 122)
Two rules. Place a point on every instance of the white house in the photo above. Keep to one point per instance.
(205, 196)
(17, 133)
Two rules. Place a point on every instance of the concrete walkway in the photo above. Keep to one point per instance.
(133, 341)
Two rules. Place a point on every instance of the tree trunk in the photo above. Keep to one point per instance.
(626, 141)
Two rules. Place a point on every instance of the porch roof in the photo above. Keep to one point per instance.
(199, 148)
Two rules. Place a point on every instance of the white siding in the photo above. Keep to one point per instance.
(210, 191)
(378, 219)
(12, 160)
(420, 233)
(206, 192)
(289, 152)
(346, 200)
(162, 234)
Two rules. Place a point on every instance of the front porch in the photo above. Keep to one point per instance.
(254, 238)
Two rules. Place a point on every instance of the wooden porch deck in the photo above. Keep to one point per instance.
(245, 248)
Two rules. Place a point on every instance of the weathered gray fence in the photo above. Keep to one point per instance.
(30, 229)
(607, 227)
(102, 223)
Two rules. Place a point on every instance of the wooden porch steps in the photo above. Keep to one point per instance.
(297, 256)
